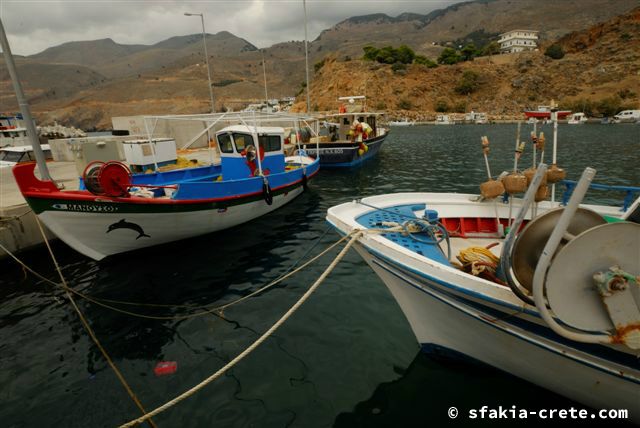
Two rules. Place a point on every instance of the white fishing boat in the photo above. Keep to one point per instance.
(403, 122)
(627, 116)
(584, 346)
(13, 155)
(12, 132)
(443, 119)
(117, 211)
(577, 119)
(476, 118)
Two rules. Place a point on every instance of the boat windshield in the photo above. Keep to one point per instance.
(242, 141)
(270, 143)
(225, 144)
(11, 156)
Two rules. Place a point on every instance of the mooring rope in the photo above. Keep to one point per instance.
(86, 325)
(354, 237)
(206, 309)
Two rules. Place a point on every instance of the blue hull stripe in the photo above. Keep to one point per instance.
(599, 351)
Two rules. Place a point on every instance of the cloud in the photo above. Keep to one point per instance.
(34, 25)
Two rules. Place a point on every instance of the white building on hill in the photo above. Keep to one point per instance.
(518, 41)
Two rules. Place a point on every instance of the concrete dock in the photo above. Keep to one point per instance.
(18, 228)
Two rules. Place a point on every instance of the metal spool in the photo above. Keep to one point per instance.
(531, 241)
(570, 288)
(91, 177)
(115, 179)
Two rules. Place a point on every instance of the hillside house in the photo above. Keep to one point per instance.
(518, 41)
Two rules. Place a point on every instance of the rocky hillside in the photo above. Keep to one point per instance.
(86, 83)
(602, 65)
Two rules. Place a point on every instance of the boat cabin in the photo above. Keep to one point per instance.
(247, 150)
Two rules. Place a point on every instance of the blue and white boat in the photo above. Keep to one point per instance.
(577, 331)
(350, 137)
(118, 211)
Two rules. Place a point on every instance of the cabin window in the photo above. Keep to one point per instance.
(242, 141)
(224, 142)
(270, 143)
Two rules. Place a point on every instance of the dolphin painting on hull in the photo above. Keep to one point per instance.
(123, 224)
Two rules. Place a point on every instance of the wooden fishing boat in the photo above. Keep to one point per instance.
(118, 212)
(349, 137)
(442, 260)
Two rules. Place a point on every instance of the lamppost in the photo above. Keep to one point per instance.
(206, 57)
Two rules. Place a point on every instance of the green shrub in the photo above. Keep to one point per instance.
(423, 60)
(318, 65)
(441, 106)
(460, 107)
(469, 83)
(555, 52)
(469, 52)
(404, 105)
(398, 66)
(492, 48)
(449, 56)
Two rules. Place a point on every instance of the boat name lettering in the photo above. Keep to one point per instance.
(326, 151)
(85, 208)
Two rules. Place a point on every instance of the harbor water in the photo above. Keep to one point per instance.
(347, 358)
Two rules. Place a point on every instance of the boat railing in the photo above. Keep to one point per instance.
(630, 192)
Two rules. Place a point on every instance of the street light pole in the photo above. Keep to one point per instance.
(306, 54)
(206, 58)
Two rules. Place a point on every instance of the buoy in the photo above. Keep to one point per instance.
(491, 189)
(515, 182)
(165, 368)
(555, 174)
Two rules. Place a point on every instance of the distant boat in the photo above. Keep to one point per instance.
(475, 117)
(544, 112)
(12, 155)
(443, 119)
(12, 131)
(403, 122)
(350, 137)
(577, 119)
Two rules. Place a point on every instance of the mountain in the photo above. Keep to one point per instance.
(598, 74)
(85, 83)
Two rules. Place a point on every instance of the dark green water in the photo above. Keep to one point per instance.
(346, 358)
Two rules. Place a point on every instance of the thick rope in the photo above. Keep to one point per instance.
(85, 323)
(254, 345)
(206, 310)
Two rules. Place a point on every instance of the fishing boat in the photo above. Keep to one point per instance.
(585, 347)
(117, 211)
(403, 122)
(577, 119)
(443, 119)
(12, 155)
(544, 113)
(12, 133)
(350, 137)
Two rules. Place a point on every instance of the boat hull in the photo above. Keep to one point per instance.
(100, 226)
(518, 343)
(345, 154)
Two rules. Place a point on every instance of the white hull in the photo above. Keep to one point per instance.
(438, 317)
(450, 309)
(77, 229)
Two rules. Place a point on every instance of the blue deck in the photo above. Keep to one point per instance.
(400, 214)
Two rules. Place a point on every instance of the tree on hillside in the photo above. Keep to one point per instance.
(469, 52)
(554, 51)
(405, 54)
(492, 48)
(469, 83)
(423, 60)
(449, 56)
(370, 53)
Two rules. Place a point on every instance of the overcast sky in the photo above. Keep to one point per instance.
(33, 26)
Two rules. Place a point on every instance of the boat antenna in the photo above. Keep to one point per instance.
(306, 54)
(24, 106)
(264, 73)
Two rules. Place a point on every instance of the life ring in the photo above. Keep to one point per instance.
(267, 194)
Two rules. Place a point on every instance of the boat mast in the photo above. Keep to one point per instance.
(306, 54)
(264, 74)
(24, 106)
